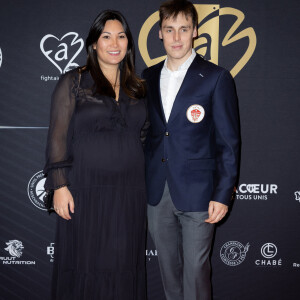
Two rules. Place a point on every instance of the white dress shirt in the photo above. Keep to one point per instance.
(170, 83)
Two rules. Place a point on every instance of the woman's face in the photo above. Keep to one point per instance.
(111, 46)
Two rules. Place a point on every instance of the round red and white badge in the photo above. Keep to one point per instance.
(195, 113)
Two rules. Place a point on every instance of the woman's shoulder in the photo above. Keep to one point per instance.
(75, 72)
(73, 76)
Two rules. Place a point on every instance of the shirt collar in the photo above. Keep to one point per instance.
(185, 65)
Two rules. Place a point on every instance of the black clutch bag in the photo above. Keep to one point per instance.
(48, 201)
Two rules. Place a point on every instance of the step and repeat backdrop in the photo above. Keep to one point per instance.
(256, 253)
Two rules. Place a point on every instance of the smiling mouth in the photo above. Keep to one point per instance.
(114, 52)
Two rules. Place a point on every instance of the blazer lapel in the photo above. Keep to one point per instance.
(189, 81)
(155, 91)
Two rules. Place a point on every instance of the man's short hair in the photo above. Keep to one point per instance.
(171, 9)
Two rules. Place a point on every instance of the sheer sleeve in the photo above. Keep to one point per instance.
(58, 159)
(145, 127)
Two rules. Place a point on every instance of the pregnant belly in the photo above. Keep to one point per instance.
(108, 153)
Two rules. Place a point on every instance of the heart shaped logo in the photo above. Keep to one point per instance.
(63, 54)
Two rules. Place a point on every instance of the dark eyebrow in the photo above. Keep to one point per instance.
(187, 26)
(110, 32)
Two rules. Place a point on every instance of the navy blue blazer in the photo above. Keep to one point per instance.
(197, 150)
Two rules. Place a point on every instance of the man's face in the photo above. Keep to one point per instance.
(177, 35)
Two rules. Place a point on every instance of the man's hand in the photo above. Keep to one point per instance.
(62, 201)
(216, 212)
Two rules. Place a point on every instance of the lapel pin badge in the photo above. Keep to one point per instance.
(195, 113)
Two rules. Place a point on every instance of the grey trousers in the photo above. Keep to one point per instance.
(183, 242)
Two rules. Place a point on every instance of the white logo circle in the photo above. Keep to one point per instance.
(233, 253)
(268, 250)
(195, 113)
(36, 191)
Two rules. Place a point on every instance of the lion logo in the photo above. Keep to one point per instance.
(14, 247)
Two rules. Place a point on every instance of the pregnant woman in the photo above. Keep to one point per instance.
(95, 166)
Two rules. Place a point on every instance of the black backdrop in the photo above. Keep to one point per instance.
(256, 252)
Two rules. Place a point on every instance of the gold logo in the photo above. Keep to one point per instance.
(207, 43)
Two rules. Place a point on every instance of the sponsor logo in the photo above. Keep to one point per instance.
(268, 251)
(61, 52)
(14, 247)
(233, 253)
(207, 44)
(296, 265)
(49, 78)
(297, 196)
(255, 191)
(0, 57)
(150, 254)
(195, 113)
(36, 191)
(50, 251)
(15, 250)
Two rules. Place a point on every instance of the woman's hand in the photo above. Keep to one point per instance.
(62, 201)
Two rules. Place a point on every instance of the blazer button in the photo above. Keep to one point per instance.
(163, 160)
(167, 133)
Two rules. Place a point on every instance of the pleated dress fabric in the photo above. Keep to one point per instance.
(95, 148)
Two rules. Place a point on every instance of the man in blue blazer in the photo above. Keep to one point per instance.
(192, 153)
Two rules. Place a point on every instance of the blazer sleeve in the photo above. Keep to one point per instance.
(58, 159)
(226, 120)
(147, 124)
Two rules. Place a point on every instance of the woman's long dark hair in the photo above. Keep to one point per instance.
(132, 85)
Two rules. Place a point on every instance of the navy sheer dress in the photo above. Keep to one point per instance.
(95, 148)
